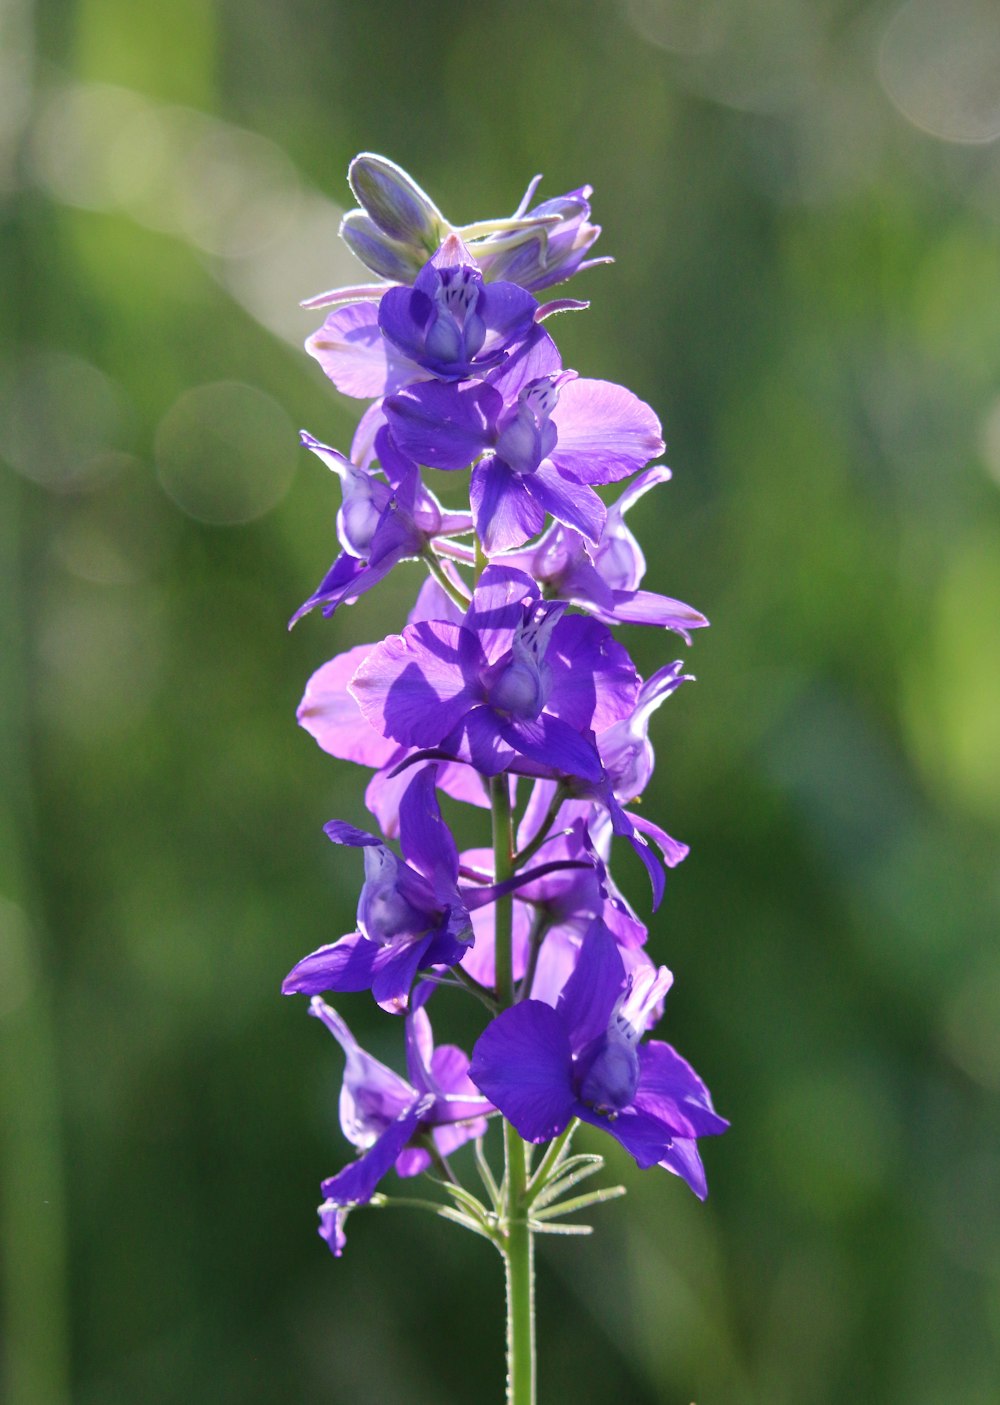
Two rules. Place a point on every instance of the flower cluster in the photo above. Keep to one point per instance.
(506, 688)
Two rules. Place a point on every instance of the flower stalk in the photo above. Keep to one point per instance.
(505, 688)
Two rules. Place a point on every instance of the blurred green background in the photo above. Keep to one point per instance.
(803, 199)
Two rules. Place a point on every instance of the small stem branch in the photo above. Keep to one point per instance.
(531, 849)
(503, 869)
(539, 928)
(444, 581)
(554, 1153)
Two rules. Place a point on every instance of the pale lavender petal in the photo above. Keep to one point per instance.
(331, 715)
(605, 432)
(355, 355)
(522, 1062)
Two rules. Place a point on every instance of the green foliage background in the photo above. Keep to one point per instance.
(807, 287)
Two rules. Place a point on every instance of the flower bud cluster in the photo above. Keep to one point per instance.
(506, 686)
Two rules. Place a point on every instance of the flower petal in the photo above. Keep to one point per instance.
(605, 432)
(412, 686)
(355, 355)
(670, 1090)
(522, 1062)
(590, 994)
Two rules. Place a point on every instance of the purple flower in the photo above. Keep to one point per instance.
(541, 1067)
(390, 1120)
(551, 252)
(411, 913)
(381, 522)
(450, 323)
(517, 679)
(547, 437)
(605, 580)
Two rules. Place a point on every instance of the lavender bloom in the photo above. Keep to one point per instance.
(383, 1115)
(605, 580)
(380, 523)
(517, 679)
(542, 1066)
(547, 437)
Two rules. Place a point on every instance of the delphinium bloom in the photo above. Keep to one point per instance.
(506, 685)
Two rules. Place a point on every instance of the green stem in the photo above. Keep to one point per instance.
(517, 1243)
(444, 580)
(519, 1260)
(530, 850)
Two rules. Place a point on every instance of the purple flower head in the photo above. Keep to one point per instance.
(604, 580)
(542, 1066)
(517, 680)
(411, 913)
(449, 322)
(547, 437)
(390, 1120)
(551, 251)
(381, 522)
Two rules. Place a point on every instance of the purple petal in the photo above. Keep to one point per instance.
(593, 682)
(670, 1090)
(537, 356)
(344, 965)
(605, 432)
(674, 851)
(522, 1062)
(504, 511)
(444, 426)
(332, 1218)
(371, 1095)
(355, 1184)
(412, 687)
(496, 609)
(340, 583)
(394, 971)
(480, 736)
(591, 992)
(643, 1137)
(425, 839)
(683, 1160)
(645, 607)
(553, 744)
(573, 504)
(355, 355)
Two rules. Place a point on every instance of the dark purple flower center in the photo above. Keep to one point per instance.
(519, 683)
(455, 330)
(611, 1074)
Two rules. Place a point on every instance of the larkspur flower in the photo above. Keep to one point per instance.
(542, 437)
(382, 522)
(517, 678)
(542, 1066)
(394, 1122)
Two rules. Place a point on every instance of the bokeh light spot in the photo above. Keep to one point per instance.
(226, 453)
(940, 65)
(61, 421)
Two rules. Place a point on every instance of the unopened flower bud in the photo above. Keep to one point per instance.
(378, 250)
(395, 202)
